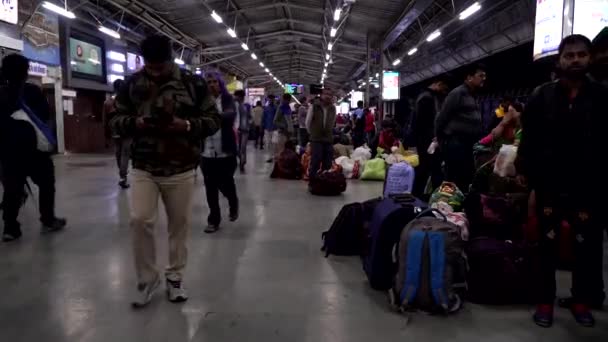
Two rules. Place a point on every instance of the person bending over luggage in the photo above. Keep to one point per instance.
(320, 122)
(507, 132)
(572, 106)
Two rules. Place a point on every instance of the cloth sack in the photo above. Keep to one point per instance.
(375, 169)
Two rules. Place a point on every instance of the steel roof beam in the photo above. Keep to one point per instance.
(407, 18)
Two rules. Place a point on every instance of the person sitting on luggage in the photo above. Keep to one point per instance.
(505, 132)
(288, 164)
(572, 106)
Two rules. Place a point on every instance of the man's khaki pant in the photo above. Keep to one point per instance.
(176, 192)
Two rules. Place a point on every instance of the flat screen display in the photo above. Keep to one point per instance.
(86, 59)
(590, 17)
(294, 89)
(134, 62)
(548, 27)
(390, 85)
(355, 97)
(316, 89)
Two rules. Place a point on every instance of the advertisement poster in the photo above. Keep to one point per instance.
(41, 37)
(9, 11)
(85, 58)
(390, 85)
(548, 28)
(590, 17)
(134, 62)
(294, 89)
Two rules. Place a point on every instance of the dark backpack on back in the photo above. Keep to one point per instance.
(390, 216)
(346, 235)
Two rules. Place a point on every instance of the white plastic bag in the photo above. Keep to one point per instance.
(505, 161)
(361, 154)
(275, 137)
(348, 166)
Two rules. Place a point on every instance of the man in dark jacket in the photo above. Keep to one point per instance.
(458, 127)
(19, 153)
(567, 118)
(320, 122)
(428, 104)
(167, 111)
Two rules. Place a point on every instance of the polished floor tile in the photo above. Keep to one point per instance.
(262, 278)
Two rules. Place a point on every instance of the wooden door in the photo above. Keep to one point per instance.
(84, 129)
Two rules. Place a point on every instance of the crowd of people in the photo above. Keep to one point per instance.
(169, 122)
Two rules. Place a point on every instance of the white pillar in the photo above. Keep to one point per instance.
(59, 110)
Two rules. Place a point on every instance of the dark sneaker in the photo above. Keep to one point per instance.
(11, 235)
(56, 224)
(582, 315)
(145, 291)
(566, 303)
(234, 215)
(269, 160)
(124, 184)
(175, 291)
(544, 315)
(212, 228)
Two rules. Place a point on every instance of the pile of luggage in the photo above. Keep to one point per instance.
(431, 256)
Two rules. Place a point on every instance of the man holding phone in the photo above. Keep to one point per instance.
(167, 111)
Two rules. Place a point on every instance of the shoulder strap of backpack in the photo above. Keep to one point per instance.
(413, 265)
(437, 262)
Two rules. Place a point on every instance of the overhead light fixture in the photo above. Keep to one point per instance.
(272, 76)
(254, 56)
(333, 32)
(117, 68)
(261, 64)
(326, 64)
(198, 71)
(179, 61)
(216, 17)
(337, 13)
(267, 70)
(470, 11)
(363, 83)
(330, 46)
(116, 56)
(327, 56)
(109, 32)
(433, 36)
(412, 51)
(245, 47)
(324, 71)
(396, 62)
(377, 75)
(59, 10)
(231, 33)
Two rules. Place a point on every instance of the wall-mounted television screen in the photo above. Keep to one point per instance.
(87, 58)
(134, 62)
(294, 89)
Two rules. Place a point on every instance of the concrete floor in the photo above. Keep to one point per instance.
(260, 279)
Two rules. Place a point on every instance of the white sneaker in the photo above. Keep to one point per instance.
(145, 293)
(176, 291)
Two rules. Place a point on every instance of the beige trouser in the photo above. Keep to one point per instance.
(176, 192)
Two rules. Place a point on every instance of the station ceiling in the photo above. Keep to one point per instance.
(291, 36)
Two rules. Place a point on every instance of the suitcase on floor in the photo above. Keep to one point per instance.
(500, 272)
(391, 215)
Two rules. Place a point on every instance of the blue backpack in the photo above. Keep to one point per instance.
(429, 257)
(399, 179)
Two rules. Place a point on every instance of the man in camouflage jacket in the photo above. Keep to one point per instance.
(167, 112)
